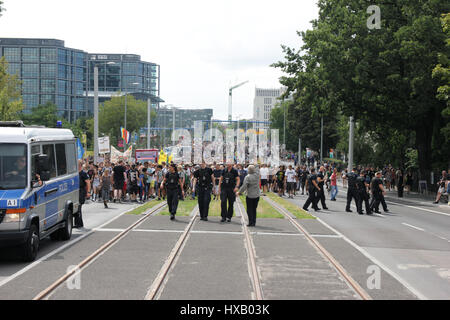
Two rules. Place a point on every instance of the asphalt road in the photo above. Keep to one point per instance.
(407, 245)
(411, 242)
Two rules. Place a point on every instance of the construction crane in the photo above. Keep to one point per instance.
(230, 98)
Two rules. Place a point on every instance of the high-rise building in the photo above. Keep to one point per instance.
(184, 118)
(265, 100)
(124, 74)
(49, 72)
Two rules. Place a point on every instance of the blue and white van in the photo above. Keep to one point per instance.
(39, 185)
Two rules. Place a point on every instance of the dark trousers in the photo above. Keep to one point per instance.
(353, 194)
(312, 199)
(321, 197)
(227, 194)
(78, 217)
(252, 205)
(172, 200)
(303, 186)
(204, 198)
(375, 202)
(400, 190)
(363, 196)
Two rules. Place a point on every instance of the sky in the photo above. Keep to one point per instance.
(202, 46)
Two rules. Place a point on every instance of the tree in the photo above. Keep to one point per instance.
(111, 117)
(1, 8)
(42, 115)
(380, 77)
(10, 97)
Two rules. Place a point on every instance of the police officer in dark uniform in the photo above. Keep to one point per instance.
(313, 187)
(204, 177)
(362, 193)
(352, 190)
(377, 194)
(227, 189)
(321, 193)
(172, 182)
(85, 187)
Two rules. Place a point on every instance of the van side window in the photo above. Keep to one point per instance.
(71, 157)
(49, 150)
(61, 159)
(35, 151)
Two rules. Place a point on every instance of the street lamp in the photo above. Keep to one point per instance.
(125, 120)
(96, 110)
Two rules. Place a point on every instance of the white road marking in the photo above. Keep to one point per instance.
(411, 226)
(326, 236)
(416, 292)
(276, 234)
(418, 208)
(35, 263)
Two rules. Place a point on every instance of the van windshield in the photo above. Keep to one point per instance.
(13, 166)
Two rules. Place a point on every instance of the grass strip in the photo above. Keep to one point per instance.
(184, 208)
(142, 208)
(264, 210)
(289, 206)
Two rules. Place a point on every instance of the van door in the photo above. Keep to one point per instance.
(51, 189)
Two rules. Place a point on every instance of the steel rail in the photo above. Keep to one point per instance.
(253, 269)
(157, 283)
(350, 281)
(44, 293)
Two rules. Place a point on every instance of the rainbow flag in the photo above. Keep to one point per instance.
(125, 135)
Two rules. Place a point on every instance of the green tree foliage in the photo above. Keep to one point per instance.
(10, 99)
(111, 116)
(1, 8)
(381, 77)
(42, 115)
(442, 73)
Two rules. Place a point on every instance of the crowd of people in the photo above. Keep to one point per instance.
(141, 182)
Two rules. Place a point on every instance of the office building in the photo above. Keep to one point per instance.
(184, 118)
(123, 74)
(50, 72)
(265, 100)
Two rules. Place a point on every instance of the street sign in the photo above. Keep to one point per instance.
(103, 145)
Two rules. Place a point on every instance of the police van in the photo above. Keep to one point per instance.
(39, 185)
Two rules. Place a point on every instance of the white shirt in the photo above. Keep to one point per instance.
(264, 172)
(290, 175)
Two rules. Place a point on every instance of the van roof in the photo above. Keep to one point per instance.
(25, 134)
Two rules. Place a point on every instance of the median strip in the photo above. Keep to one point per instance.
(292, 208)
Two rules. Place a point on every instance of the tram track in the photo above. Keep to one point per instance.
(157, 285)
(55, 285)
(336, 265)
(251, 252)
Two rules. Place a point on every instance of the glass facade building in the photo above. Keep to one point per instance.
(49, 72)
(123, 74)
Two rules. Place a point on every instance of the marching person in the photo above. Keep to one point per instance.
(251, 185)
(352, 191)
(105, 187)
(362, 193)
(227, 189)
(204, 176)
(321, 183)
(172, 182)
(378, 193)
(85, 189)
(291, 179)
(312, 187)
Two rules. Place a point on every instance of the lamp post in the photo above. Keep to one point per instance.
(96, 110)
(125, 120)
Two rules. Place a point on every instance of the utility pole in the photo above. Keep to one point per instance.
(350, 145)
(149, 110)
(95, 114)
(230, 99)
(321, 139)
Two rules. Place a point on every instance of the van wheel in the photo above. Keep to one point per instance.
(66, 232)
(31, 246)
